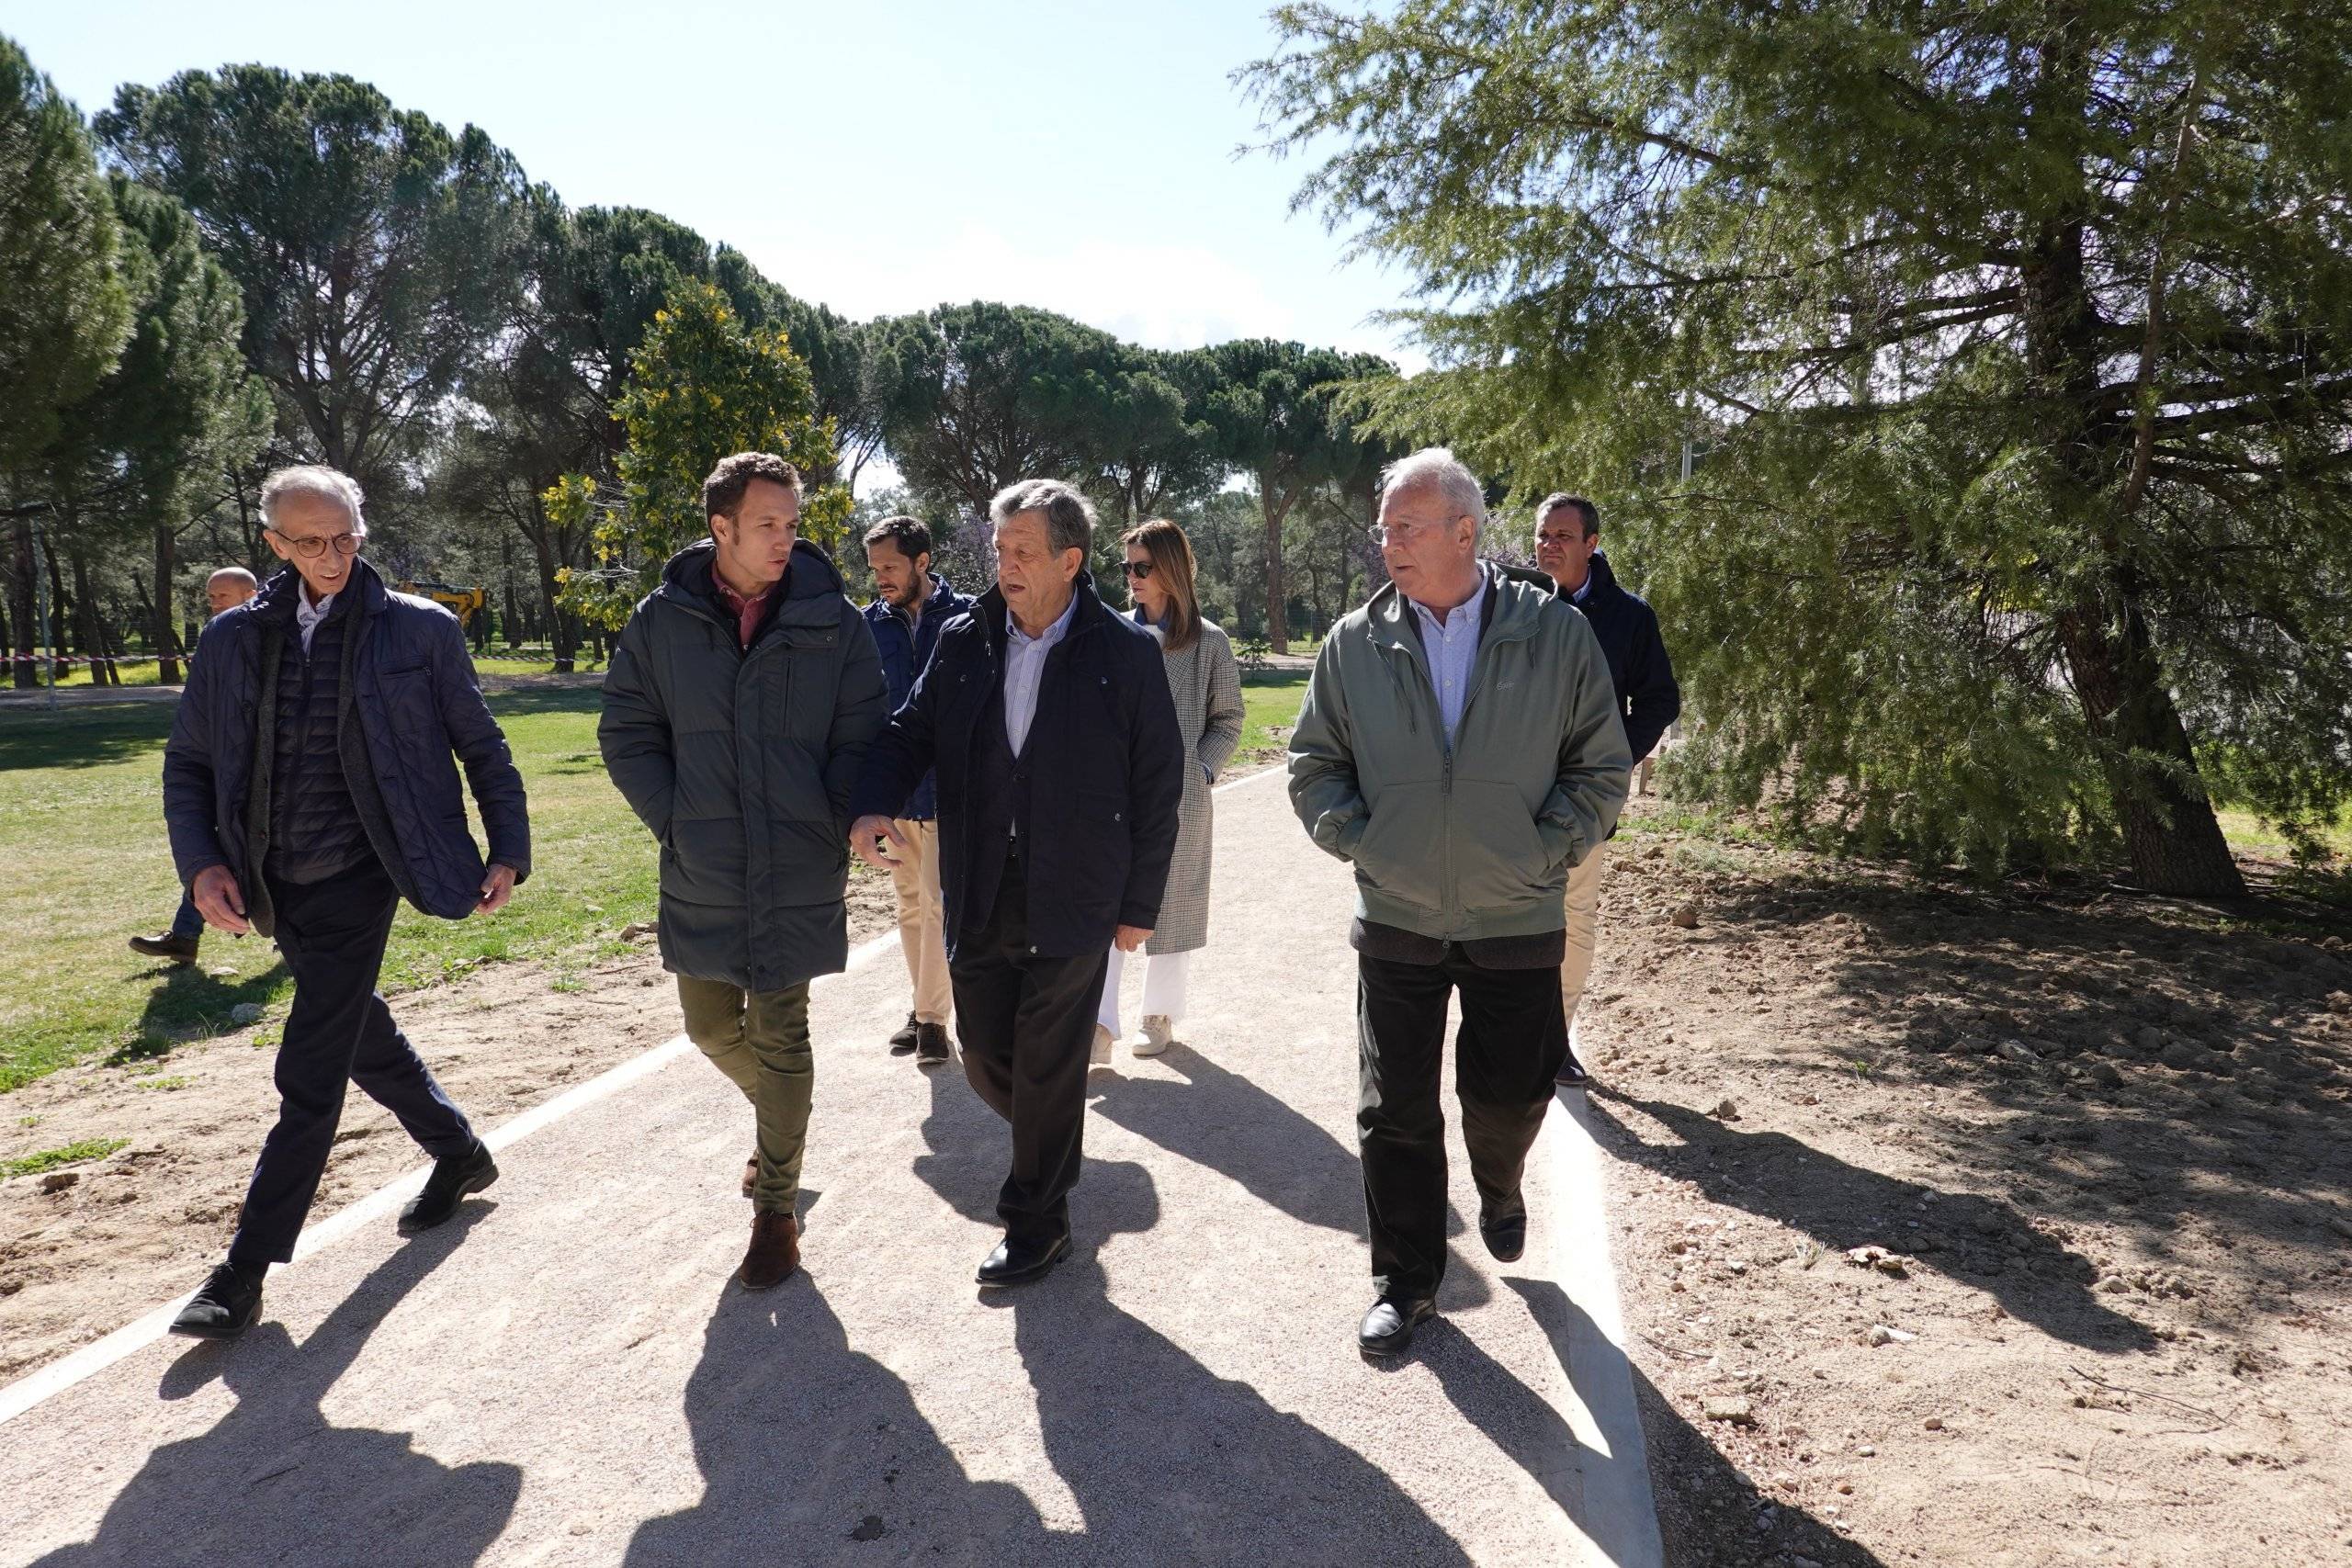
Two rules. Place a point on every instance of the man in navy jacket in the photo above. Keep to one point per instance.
(1060, 766)
(910, 604)
(310, 785)
(1567, 548)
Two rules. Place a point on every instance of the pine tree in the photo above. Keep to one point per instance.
(2012, 342)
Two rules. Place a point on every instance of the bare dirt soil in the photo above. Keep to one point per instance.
(1977, 1227)
(85, 1250)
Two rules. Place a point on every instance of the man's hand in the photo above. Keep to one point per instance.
(864, 834)
(219, 901)
(1131, 937)
(497, 886)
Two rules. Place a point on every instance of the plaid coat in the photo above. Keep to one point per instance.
(1206, 683)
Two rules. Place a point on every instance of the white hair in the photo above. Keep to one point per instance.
(314, 479)
(1465, 497)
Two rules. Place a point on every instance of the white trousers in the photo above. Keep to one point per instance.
(1164, 978)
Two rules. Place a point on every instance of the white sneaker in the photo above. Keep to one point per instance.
(1100, 1056)
(1158, 1034)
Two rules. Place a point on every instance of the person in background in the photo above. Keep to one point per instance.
(1567, 550)
(738, 702)
(1205, 682)
(1459, 748)
(1060, 770)
(910, 604)
(225, 589)
(311, 783)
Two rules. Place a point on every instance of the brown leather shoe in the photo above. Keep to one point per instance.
(774, 1251)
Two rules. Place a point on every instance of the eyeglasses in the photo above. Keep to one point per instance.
(1139, 568)
(1397, 533)
(310, 546)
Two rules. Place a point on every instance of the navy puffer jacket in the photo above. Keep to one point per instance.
(420, 714)
(903, 656)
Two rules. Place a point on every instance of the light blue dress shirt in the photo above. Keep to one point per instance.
(1024, 670)
(1453, 652)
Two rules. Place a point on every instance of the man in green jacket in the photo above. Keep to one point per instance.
(738, 707)
(1459, 746)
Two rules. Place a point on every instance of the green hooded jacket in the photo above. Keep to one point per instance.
(1476, 843)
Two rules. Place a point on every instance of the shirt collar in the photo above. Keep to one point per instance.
(1468, 613)
(311, 615)
(736, 602)
(1052, 634)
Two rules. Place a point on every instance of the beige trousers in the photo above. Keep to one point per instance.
(921, 935)
(1584, 910)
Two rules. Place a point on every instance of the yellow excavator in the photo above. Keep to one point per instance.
(462, 603)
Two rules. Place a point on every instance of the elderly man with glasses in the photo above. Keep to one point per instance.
(310, 785)
(1459, 747)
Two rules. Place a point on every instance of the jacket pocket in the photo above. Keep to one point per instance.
(1500, 858)
(1403, 839)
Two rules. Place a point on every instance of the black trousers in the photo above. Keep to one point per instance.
(338, 1033)
(1025, 1023)
(1513, 1039)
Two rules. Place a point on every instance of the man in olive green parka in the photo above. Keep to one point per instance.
(737, 708)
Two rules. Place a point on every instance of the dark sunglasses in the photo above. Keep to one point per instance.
(1139, 568)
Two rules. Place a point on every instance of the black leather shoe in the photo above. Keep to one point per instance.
(1504, 1229)
(178, 949)
(931, 1044)
(225, 1306)
(904, 1040)
(451, 1180)
(1018, 1262)
(1389, 1327)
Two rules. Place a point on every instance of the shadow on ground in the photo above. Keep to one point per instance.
(1221, 1120)
(787, 1477)
(82, 735)
(2180, 1071)
(188, 998)
(1170, 1462)
(1841, 1206)
(275, 1480)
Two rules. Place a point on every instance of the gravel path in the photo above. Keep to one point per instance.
(568, 1375)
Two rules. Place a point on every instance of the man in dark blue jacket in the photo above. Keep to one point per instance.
(1060, 768)
(1567, 548)
(310, 787)
(910, 604)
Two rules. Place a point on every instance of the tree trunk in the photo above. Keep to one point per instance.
(21, 613)
(168, 664)
(87, 631)
(60, 665)
(2169, 829)
(1277, 613)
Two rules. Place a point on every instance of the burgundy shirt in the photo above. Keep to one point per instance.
(747, 611)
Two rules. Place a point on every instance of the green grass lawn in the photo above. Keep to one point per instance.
(82, 835)
(2249, 834)
(1270, 703)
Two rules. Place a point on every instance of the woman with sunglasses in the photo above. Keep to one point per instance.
(1206, 683)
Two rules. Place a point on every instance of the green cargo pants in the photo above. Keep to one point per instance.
(759, 1040)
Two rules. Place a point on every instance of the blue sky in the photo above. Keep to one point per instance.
(880, 157)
